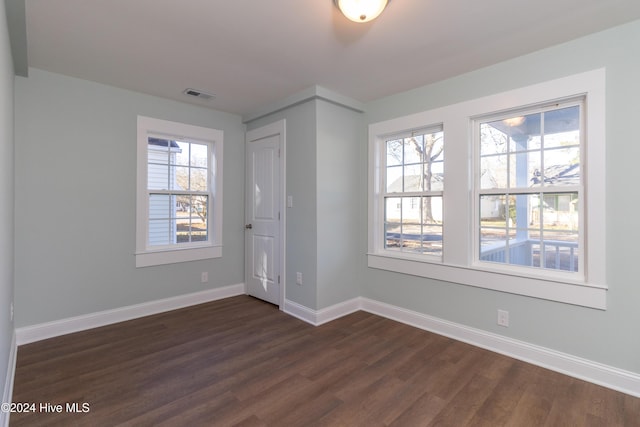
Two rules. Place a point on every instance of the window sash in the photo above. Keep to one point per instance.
(514, 248)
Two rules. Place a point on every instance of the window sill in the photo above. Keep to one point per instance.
(172, 256)
(582, 294)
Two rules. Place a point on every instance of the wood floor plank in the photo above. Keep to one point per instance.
(242, 362)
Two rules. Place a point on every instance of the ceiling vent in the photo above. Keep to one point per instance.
(199, 94)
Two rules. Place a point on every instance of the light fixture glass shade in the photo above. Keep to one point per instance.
(361, 10)
(514, 121)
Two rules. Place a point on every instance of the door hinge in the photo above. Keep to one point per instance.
(278, 279)
(278, 216)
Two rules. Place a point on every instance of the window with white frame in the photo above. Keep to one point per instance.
(179, 197)
(529, 187)
(413, 184)
(523, 208)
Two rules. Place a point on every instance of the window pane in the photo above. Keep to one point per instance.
(394, 179)
(157, 177)
(161, 232)
(183, 206)
(411, 210)
(432, 210)
(435, 176)
(199, 155)
(413, 178)
(158, 150)
(183, 230)
(432, 239)
(392, 235)
(413, 150)
(520, 247)
(192, 221)
(394, 151)
(181, 154)
(493, 172)
(492, 139)
(179, 178)
(412, 238)
(200, 207)
(561, 251)
(562, 166)
(160, 206)
(492, 210)
(392, 211)
(560, 212)
(434, 161)
(562, 127)
(494, 244)
(198, 180)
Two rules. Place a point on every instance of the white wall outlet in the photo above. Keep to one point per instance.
(289, 201)
(298, 278)
(204, 277)
(503, 318)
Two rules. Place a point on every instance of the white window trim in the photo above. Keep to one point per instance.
(458, 265)
(146, 256)
(384, 194)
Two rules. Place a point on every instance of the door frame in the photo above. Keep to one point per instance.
(275, 128)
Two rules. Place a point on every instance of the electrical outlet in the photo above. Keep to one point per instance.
(298, 278)
(503, 318)
(204, 277)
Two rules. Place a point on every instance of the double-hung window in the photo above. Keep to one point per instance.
(523, 206)
(529, 187)
(179, 204)
(413, 183)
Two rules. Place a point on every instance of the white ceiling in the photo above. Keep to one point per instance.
(254, 52)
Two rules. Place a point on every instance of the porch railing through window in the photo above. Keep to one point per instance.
(552, 254)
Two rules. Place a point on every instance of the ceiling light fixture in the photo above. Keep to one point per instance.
(361, 10)
(514, 121)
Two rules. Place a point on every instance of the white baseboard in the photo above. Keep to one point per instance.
(29, 334)
(597, 373)
(318, 317)
(594, 372)
(8, 385)
(300, 311)
(587, 370)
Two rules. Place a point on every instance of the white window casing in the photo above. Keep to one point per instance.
(162, 247)
(459, 263)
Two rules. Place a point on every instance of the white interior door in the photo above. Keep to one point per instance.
(263, 213)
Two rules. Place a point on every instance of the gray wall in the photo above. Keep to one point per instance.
(75, 186)
(324, 162)
(339, 165)
(6, 198)
(610, 337)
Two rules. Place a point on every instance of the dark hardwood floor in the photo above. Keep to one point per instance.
(241, 362)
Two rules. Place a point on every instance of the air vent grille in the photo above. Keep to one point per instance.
(198, 94)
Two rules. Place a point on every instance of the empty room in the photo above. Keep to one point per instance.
(319, 213)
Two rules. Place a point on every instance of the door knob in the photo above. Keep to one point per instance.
(248, 226)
